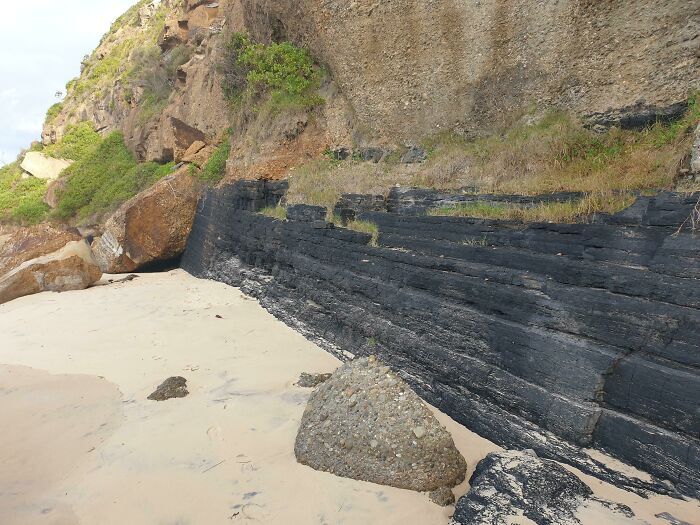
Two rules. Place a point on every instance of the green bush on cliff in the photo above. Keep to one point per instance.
(105, 178)
(21, 200)
(283, 71)
(215, 168)
(78, 141)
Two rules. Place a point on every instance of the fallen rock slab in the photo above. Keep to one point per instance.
(151, 227)
(171, 388)
(44, 258)
(366, 423)
(509, 485)
(42, 166)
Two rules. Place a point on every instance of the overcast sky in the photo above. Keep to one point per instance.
(41, 45)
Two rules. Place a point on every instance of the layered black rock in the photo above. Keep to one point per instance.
(507, 484)
(547, 336)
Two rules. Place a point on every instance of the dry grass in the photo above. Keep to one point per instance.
(275, 212)
(365, 227)
(554, 154)
(561, 212)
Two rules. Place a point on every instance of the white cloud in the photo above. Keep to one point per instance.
(41, 46)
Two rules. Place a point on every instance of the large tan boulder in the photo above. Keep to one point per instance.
(45, 258)
(43, 167)
(151, 227)
(366, 423)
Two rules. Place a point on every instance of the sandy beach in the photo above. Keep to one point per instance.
(81, 444)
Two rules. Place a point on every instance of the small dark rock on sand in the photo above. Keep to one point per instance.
(443, 497)
(170, 388)
(312, 380)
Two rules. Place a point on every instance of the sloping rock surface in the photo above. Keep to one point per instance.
(44, 258)
(366, 423)
(151, 227)
(514, 484)
(551, 337)
(43, 167)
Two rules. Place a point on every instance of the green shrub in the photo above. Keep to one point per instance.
(284, 72)
(103, 178)
(215, 168)
(21, 200)
(79, 140)
(120, 189)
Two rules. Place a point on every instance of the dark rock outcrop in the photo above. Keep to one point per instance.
(366, 423)
(509, 484)
(550, 337)
(171, 388)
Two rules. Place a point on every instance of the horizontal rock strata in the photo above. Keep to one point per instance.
(547, 336)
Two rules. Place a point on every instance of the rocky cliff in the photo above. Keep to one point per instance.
(398, 70)
(557, 338)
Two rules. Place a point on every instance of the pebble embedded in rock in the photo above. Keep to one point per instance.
(171, 388)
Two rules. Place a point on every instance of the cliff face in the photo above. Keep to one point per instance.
(402, 69)
(411, 67)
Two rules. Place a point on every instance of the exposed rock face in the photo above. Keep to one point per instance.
(44, 258)
(43, 167)
(408, 67)
(151, 227)
(509, 484)
(171, 388)
(550, 337)
(365, 423)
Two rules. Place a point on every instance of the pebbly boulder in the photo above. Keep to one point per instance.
(45, 258)
(509, 485)
(151, 227)
(366, 423)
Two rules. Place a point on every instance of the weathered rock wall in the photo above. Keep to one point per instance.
(414, 67)
(550, 337)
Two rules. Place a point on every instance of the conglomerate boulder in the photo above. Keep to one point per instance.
(45, 258)
(366, 423)
(151, 227)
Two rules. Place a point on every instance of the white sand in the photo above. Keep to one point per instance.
(75, 451)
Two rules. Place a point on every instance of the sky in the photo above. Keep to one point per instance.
(41, 46)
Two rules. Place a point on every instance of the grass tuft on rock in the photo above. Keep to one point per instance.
(215, 168)
(365, 227)
(275, 212)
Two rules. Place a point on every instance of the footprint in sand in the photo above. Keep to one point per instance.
(215, 433)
